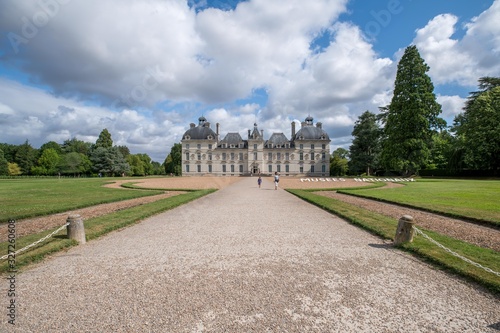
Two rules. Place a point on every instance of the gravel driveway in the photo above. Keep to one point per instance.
(244, 259)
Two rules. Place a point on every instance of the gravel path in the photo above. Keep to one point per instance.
(244, 259)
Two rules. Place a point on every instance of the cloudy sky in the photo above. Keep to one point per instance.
(145, 69)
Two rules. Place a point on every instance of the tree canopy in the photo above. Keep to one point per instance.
(478, 127)
(412, 116)
(365, 148)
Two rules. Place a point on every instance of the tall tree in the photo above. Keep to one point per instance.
(75, 163)
(53, 145)
(26, 157)
(104, 140)
(365, 146)
(4, 164)
(136, 165)
(109, 161)
(77, 146)
(412, 117)
(478, 127)
(339, 162)
(47, 163)
(174, 160)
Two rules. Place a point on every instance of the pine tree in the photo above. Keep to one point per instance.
(365, 146)
(412, 117)
(104, 140)
(478, 127)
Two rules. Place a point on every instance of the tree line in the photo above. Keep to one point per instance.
(76, 158)
(407, 137)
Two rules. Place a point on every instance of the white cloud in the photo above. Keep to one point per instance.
(451, 106)
(465, 60)
(103, 64)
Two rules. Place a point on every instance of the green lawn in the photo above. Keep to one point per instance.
(474, 199)
(22, 198)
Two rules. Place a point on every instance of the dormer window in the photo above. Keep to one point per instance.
(187, 137)
(210, 137)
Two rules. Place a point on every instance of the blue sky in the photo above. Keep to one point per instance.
(145, 70)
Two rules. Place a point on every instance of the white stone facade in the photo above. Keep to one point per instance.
(307, 153)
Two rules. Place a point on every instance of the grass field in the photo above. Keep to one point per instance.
(23, 198)
(474, 199)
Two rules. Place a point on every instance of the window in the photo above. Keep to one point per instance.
(323, 146)
(301, 169)
(241, 168)
(323, 168)
(223, 156)
(312, 145)
(323, 156)
(312, 168)
(278, 156)
(187, 167)
(312, 156)
(210, 168)
(270, 168)
(209, 157)
(199, 157)
(301, 146)
(223, 168)
(187, 145)
(232, 156)
(270, 156)
(232, 167)
(255, 156)
(278, 168)
(199, 168)
(254, 146)
(287, 168)
(241, 156)
(287, 156)
(301, 156)
(209, 146)
(198, 146)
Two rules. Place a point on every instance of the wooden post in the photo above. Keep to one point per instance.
(405, 231)
(76, 229)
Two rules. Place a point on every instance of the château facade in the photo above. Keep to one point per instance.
(307, 153)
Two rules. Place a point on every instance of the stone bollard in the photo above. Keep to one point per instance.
(76, 229)
(405, 231)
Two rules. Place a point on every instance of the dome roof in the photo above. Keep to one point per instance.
(311, 132)
(200, 132)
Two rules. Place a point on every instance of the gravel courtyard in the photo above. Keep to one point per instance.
(245, 259)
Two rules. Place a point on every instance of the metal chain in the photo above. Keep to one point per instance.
(35, 243)
(489, 270)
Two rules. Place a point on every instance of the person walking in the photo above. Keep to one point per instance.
(276, 180)
(259, 181)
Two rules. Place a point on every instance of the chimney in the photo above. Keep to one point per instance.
(302, 124)
(262, 133)
(217, 128)
(293, 129)
(249, 134)
(319, 125)
(207, 124)
(192, 125)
